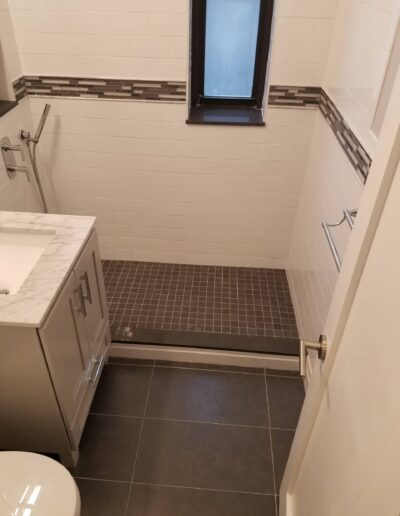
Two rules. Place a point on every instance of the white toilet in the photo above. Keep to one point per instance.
(34, 485)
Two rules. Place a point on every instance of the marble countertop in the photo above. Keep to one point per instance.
(30, 305)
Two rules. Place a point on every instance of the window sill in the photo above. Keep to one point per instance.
(225, 115)
(6, 106)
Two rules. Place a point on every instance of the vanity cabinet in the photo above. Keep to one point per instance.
(72, 345)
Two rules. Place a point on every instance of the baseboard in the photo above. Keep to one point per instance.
(205, 356)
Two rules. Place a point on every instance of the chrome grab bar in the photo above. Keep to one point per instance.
(348, 216)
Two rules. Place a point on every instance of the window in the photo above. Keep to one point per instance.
(229, 54)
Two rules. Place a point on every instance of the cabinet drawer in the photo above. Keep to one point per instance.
(89, 275)
(65, 346)
(76, 429)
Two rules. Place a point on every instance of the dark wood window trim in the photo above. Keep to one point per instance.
(219, 110)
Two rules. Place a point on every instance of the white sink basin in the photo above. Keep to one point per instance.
(19, 253)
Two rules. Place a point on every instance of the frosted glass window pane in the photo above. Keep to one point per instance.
(230, 49)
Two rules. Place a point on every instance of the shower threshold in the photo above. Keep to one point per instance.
(236, 309)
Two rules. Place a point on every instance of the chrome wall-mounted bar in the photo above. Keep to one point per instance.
(31, 143)
(7, 151)
(348, 216)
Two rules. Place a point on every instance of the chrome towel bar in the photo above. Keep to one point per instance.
(348, 216)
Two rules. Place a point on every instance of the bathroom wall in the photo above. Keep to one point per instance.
(360, 50)
(149, 38)
(330, 185)
(16, 194)
(10, 66)
(163, 190)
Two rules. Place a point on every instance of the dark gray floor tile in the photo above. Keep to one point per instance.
(108, 448)
(281, 444)
(103, 498)
(130, 361)
(175, 501)
(122, 390)
(212, 396)
(278, 372)
(206, 456)
(211, 367)
(286, 396)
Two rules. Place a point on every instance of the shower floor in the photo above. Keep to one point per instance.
(234, 308)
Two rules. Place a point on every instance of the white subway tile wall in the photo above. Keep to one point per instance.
(165, 191)
(330, 185)
(16, 194)
(149, 38)
(360, 49)
(10, 67)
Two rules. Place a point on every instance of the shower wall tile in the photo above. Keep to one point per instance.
(330, 185)
(10, 66)
(352, 147)
(16, 194)
(164, 191)
(355, 69)
(150, 40)
(360, 49)
(100, 88)
(175, 91)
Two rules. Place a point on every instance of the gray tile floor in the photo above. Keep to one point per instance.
(166, 439)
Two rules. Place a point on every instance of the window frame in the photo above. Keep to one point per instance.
(198, 25)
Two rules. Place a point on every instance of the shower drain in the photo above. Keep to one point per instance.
(4, 292)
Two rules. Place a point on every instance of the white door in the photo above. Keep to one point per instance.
(345, 459)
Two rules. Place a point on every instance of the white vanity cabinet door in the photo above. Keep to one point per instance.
(89, 274)
(65, 344)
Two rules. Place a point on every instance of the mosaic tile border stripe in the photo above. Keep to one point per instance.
(294, 96)
(358, 156)
(89, 87)
(175, 91)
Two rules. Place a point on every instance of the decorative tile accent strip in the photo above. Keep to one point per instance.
(175, 91)
(294, 96)
(19, 89)
(88, 87)
(354, 150)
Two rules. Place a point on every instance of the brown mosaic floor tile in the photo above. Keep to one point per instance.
(199, 298)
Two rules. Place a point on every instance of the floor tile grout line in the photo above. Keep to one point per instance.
(138, 444)
(204, 422)
(283, 429)
(192, 421)
(262, 369)
(288, 377)
(176, 486)
(104, 480)
(208, 370)
(129, 365)
(270, 440)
